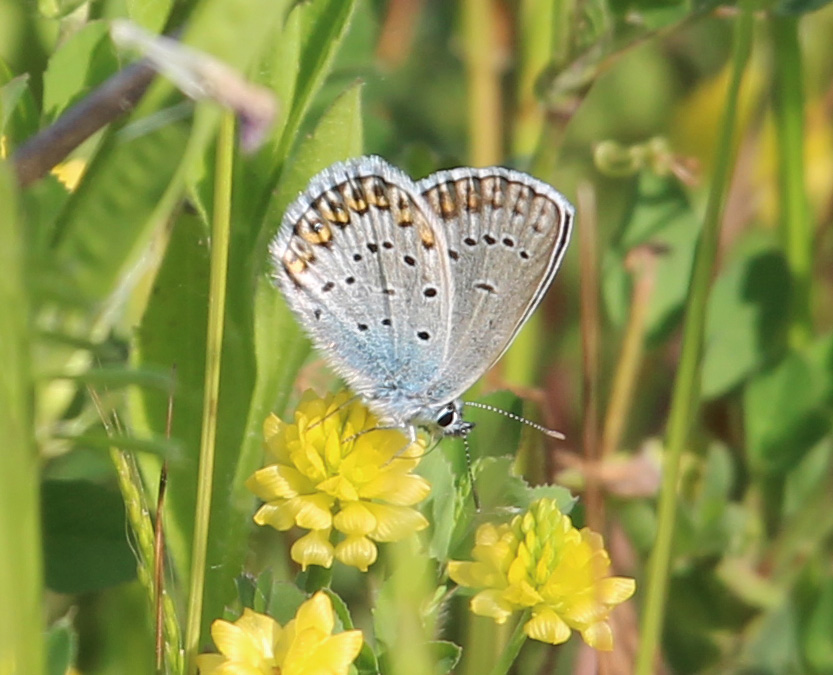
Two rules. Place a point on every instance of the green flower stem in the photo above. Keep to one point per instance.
(788, 109)
(484, 82)
(536, 27)
(318, 578)
(513, 647)
(216, 315)
(21, 566)
(685, 399)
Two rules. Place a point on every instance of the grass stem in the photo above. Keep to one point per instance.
(216, 316)
(788, 109)
(685, 397)
(483, 73)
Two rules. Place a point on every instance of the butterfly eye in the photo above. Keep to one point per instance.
(447, 417)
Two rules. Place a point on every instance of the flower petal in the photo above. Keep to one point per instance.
(334, 654)
(396, 488)
(355, 518)
(547, 626)
(317, 613)
(357, 552)
(280, 515)
(208, 664)
(235, 643)
(599, 636)
(490, 603)
(313, 511)
(313, 549)
(473, 574)
(278, 481)
(338, 487)
(394, 523)
(614, 590)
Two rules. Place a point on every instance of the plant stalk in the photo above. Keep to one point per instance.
(216, 316)
(512, 648)
(788, 109)
(685, 398)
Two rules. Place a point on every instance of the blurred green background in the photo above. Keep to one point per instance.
(622, 105)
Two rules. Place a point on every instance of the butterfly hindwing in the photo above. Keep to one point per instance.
(507, 234)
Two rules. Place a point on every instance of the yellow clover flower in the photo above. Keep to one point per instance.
(256, 644)
(541, 562)
(329, 474)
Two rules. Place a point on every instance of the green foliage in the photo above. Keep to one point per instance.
(105, 291)
(83, 537)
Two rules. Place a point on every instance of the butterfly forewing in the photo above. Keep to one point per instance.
(360, 258)
(506, 234)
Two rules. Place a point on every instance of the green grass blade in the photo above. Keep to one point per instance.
(797, 233)
(21, 568)
(685, 400)
(216, 318)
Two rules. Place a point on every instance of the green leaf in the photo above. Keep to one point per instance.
(786, 408)
(818, 647)
(79, 65)
(112, 217)
(445, 655)
(323, 26)
(11, 94)
(771, 646)
(337, 137)
(61, 647)
(747, 320)
(172, 334)
(284, 601)
(18, 110)
(58, 9)
(405, 613)
(798, 7)
(237, 32)
(261, 358)
(445, 502)
(661, 217)
(85, 540)
(167, 449)
(110, 377)
(150, 15)
(366, 662)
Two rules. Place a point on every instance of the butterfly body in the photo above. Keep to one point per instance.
(412, 290)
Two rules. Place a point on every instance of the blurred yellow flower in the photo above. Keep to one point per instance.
(70, 172)
(331, 472)
(256, 644)
(541, 562)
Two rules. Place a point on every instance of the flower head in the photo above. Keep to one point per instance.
(335, 469)
(256, 644)
(541, 562)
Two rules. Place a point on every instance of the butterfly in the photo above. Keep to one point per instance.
(413, 290)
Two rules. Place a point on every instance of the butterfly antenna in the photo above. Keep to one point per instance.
(474, 494)
(552, 433)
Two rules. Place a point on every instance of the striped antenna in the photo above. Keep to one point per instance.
(552, 433)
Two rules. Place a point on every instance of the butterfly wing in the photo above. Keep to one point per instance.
(507, 234)
(360, 258)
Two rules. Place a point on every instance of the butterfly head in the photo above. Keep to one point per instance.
(449, 419)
